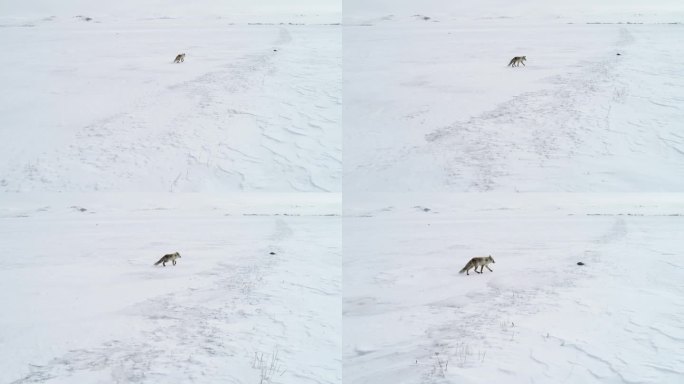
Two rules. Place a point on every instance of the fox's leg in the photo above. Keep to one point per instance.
(490, 270)
(476, 269)
(174, 262)
(468, 270)
(523, 63)
(164, 264)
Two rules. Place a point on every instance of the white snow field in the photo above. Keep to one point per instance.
(410, 317)
(83, 303)
(99, 106)
(119, 156)
(431, 105)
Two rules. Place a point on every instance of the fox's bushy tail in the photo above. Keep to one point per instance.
(159, 262)
(463, 270)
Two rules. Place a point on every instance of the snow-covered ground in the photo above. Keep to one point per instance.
(99, 106)
(102, 136)
(82, 302)
(431, 110)
(431, 104)
(111, 156)
(410, 317)
(238, 10)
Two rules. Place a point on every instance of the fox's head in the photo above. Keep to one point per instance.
(523, 58)
(177, 254)
(490, 258)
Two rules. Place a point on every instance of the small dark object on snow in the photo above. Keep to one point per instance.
(275, 50)
(619, 54)
(580, 263)
(271, 253)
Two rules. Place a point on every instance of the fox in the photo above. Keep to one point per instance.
(516, 61)
(478, 262)
(166, 258)
(179, 58)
